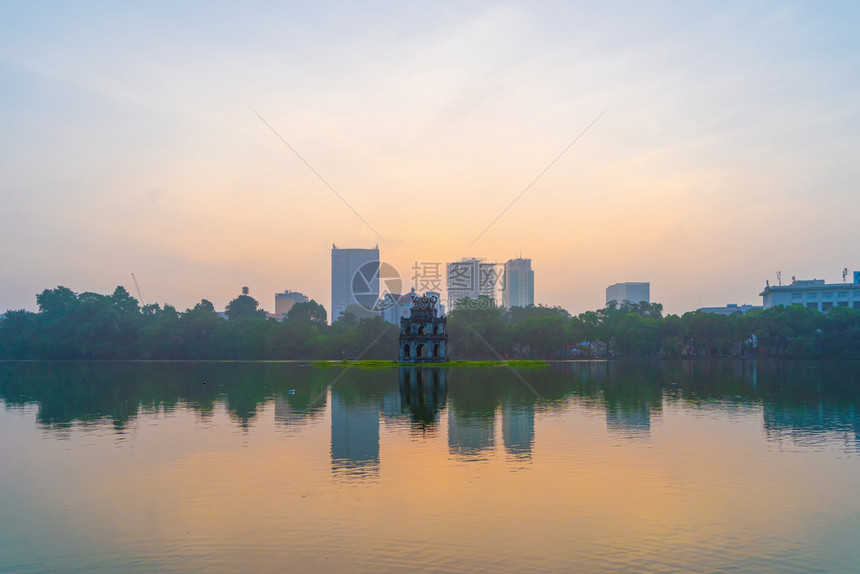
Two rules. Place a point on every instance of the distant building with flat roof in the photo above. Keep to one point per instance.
(730, 309)
(285, 301)
(813, 294)
(630, 292)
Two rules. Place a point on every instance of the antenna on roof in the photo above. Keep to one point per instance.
(844, 274)
(779, 278)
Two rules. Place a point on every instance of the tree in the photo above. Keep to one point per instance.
(16, 335)
(199, 329)
(56, 301)
(244, 306)
(311, 311)
(477, 328)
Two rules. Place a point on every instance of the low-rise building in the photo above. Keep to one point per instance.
(285, 301)
(813, 294)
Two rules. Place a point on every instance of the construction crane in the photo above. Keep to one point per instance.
(136, 286)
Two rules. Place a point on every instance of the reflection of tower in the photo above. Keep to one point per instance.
(469, 434)
(354, 434)
(423, 392)
(518, 429)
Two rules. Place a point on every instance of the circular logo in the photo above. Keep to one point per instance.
(376, 286)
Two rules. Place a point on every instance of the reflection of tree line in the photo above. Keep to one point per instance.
(94, 392)
(797, 398)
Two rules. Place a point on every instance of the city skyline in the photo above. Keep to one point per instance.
(133, 143)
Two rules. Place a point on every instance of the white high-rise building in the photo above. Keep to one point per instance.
(345, 284)
(629, 292)
(518, 287)
(472, 277)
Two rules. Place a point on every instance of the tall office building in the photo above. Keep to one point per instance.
(518, 287)
(347, 282)
(472, 277)
(629, 292)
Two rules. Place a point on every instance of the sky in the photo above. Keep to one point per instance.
(155, 138)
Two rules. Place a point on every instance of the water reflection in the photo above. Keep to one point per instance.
(802, 403)
(423, 395)
(518, 429)
(354, 436)
(690, 466)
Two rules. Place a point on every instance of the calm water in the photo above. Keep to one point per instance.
(588, 466)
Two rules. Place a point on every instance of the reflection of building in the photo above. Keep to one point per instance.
(812, 423)
(813, 294)
(518, 289)
(471, 277)
(285, 301)
(632, 420)
(345, 263)
(518, 429)
(393, 409)
(730, 309)
(470, 434)
(630, 292)
(354, 433)
(290, 417)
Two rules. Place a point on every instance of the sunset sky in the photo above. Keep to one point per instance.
(131, 143)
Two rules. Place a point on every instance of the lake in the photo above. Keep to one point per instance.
(593, 466)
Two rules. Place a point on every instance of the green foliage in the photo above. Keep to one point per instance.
(94, 326)
(311, 311)
(244, 307)
(640, 330)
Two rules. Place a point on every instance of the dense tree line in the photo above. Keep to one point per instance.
(94, 326)
(479, 330)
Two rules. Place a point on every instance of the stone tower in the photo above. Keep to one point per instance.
(424, 335)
